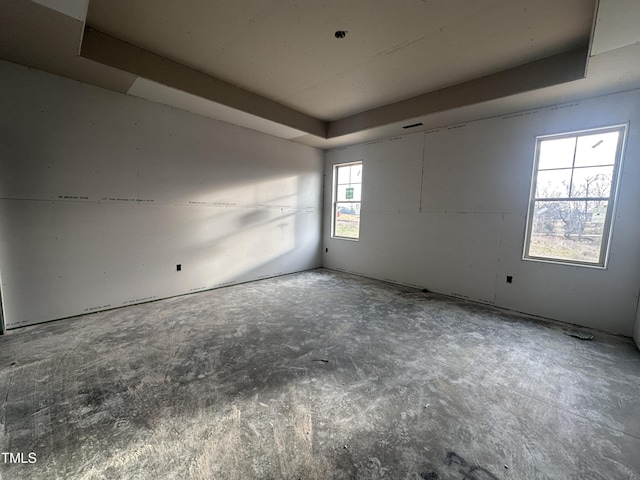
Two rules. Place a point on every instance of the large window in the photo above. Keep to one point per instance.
(347, 194)
(572, 196)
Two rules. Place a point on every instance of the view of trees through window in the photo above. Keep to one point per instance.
(347, 196)
(572, 195)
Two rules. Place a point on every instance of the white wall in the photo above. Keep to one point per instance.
(102, 194)
(636, 331)
(446, 210)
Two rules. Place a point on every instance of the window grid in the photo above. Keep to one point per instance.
(584, 220)
(347, 192)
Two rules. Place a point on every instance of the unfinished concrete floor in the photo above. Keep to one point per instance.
(317, 375)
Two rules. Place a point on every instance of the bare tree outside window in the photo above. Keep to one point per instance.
(573, 192)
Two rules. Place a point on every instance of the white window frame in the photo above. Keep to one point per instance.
(335, 202)
(611, 199)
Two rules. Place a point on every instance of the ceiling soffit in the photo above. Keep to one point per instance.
(285, 50)
(193, 59)
(275, 66)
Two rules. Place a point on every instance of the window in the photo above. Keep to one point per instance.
(347, 193)
(572, 196)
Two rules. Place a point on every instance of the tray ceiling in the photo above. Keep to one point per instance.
(277, 66)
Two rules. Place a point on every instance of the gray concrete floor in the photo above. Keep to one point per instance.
(317, 375)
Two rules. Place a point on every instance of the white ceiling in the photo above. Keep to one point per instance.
(393, 50)
(276, 66)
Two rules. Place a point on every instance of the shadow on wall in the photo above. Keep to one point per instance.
(80, 256)
(240, 243)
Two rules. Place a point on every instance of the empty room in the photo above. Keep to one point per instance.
(295, 239)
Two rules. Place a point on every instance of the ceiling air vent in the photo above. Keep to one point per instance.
(412, 125)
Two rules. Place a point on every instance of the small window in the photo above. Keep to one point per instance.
(572, 196)
(347, 194)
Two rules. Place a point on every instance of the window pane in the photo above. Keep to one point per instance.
(553, 183)
(347, 197)
(556, 153)
(349, 192)
(347, 218)
(598, 149)
(592, 182)
(356, 173)
(568, 230)
(343, 175)
(564, 224)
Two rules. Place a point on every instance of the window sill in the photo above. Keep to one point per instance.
(566, 263)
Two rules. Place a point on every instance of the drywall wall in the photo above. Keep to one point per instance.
(102, 195)
(636, 331)
(446, 210)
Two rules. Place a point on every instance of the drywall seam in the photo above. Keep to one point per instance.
(424, 141)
